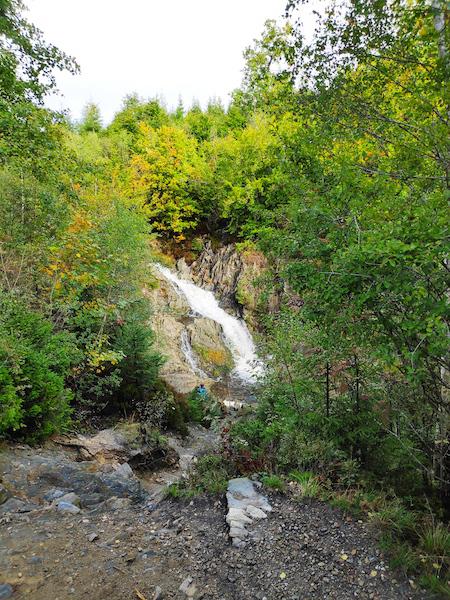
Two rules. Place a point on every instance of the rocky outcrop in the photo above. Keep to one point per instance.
(48, 478)
(232, 276)
(219, 270)
(193, 346)
(109, 445)
(206, 340)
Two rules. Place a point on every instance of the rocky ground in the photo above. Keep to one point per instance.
(119, 543)
(125, 553)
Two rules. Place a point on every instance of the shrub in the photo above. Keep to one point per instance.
(210, 474)
(203, 409)
(34, 399)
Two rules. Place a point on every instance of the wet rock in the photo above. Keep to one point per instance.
(219, 271)
(206, 339)
(183, 269)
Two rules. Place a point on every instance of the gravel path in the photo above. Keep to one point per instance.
(303, 550)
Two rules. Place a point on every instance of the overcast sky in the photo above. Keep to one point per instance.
(168, 48)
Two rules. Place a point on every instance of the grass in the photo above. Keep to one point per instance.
(417, 545)
(274, 482)
(308, 484)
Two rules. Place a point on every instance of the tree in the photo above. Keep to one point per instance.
(91, 120)
(27, 65)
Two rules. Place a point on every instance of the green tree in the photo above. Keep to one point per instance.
(91, 120)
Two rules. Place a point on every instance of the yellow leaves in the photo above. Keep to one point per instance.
(283, 575)
(344, 557)
(373, 573)
(80, 222)
(99, 358)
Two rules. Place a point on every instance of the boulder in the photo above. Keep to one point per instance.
(70, 498)
(14, 505)
(120, 443)
(207, 342)
(46, 477)
(6, 591)
(124, 470)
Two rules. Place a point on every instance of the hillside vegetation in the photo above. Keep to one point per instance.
(333, 159)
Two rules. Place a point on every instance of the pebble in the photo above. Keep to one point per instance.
(188, 587)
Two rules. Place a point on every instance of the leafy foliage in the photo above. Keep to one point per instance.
(35, 362)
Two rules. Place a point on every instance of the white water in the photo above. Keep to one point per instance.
(236, 334)
(186, 348)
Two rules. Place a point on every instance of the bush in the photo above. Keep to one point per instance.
(210, 474)
(34, 399)
(161, 410)
(203, 409)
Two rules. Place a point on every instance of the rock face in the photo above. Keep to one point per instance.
(245, 505)
(119, 445)
(219, 271)
(206, 340)
(232, 276)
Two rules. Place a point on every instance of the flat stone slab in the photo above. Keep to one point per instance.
(245, 504)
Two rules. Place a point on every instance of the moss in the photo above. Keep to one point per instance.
(216, 360)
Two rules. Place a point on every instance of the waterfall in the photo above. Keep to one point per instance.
(186, 348)
(235, 331)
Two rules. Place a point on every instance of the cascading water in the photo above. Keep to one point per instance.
(236, 334)
(186, 348)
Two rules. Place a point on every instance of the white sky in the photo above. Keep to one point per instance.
(168, 48)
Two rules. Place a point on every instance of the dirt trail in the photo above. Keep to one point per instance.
(295, 554)
(126, 542)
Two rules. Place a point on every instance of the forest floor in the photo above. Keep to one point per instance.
(122, 550)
